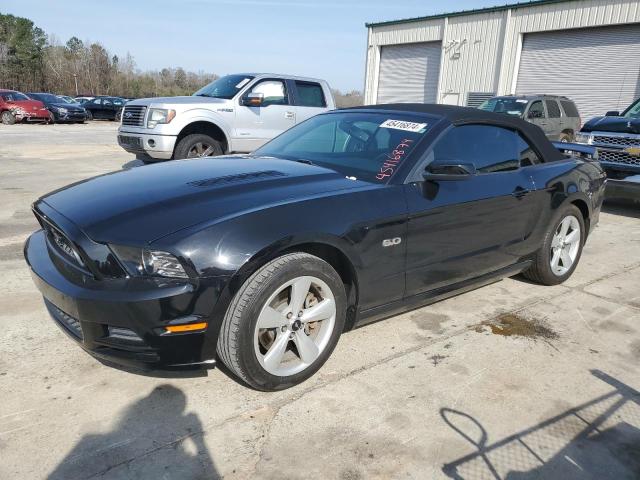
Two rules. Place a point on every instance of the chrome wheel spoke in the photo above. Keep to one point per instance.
(273, 358)
(572, 237)
(564, 227)
(299, 291)
(555, 259)
(271, 318)
(566, 259)
(207, 151)
(323, 310)
(307, 348)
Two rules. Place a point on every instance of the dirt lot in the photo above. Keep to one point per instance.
(513, 380)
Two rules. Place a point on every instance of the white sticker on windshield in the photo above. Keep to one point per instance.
(522, 101)
(403, 125)
(243, 83)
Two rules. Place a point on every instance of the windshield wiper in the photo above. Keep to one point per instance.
(204, 95)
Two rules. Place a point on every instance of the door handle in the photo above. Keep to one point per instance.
(289, 115)
(520, 192)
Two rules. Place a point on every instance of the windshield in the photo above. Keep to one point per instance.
(633, 111)
(225, 87)
(510, 106)
(13, 96)
(45, 97)
(66, 99)
(367, 146)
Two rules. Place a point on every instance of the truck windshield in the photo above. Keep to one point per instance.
(633, 111)
(510, 106)
(224, 87)
(360, 145)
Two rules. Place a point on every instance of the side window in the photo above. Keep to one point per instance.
(274, 92)
(553, 108)
(97, 101)
(528, 155)
(536, 110)
(569, 108)
(107, 101)
(490, 149)
(310, 94)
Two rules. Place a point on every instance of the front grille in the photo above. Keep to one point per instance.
(71, 324)
(618, 156)
(615, 141)
(125, 334)
(133, 115)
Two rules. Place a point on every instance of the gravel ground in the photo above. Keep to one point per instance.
(513, 380)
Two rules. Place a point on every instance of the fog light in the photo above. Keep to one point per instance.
(189, 327)
(152, 143)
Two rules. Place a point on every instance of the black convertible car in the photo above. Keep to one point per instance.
(262, 261)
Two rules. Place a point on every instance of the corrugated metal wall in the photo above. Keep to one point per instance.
(489, 59)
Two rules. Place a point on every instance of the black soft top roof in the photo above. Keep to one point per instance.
(465, 115)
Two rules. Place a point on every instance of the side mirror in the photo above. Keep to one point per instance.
(253, 99)
(612, 113)
(534, 114)
(449, 171)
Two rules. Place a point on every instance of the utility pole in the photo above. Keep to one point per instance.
(75, 78)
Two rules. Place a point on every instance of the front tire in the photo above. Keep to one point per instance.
(8, 118)
(197, 145)
(561, 248)
(284, 322)
(89, 115)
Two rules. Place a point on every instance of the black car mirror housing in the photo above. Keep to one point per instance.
(449, 171)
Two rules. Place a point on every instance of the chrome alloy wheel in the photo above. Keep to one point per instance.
(565, 245)
(294, 326)
(200, 149)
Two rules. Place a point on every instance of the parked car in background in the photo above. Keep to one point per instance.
(69, 99)
(104, 108)
(557, 116)
(18, 107)
(617, 139)
(236, 113)
(60, 109)
(262, 261)
(82, 99)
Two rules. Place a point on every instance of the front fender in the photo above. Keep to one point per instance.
(183, 119)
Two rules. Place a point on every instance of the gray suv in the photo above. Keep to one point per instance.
(557, 116)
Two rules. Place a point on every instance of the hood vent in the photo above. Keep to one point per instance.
(236, 178)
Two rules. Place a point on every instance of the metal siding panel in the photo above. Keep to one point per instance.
(409, 73)
(598, 68)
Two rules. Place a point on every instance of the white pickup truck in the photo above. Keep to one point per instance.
(234, 114)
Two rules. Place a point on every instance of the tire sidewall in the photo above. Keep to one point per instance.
(184, 145)
(249, 363)
(545, 254)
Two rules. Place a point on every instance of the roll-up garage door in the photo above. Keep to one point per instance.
(409, 73)
(599, 68)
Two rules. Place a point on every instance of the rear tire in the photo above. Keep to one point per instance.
(263, 343)
(89, 115)
(197, 145)
(8, 118)
(558, 257)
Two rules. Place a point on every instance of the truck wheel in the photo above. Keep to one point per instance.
(8, 118)
(197, 145)
(284, 322)
(561, 248)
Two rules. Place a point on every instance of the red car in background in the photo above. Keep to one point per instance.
(17, 107)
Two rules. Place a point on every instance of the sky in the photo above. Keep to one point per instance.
(324, 39)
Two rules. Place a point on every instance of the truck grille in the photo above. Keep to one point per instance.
(133, 115)
(615, 141)
(618, 156)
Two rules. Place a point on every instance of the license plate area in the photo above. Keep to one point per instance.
(130, 141)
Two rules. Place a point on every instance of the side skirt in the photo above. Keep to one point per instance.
(432, 296)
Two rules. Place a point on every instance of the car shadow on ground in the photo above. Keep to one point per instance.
(154, 438)
(133, 164)
(597, 440)
(626, 208)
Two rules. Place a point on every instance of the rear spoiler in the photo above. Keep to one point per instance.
(577, 150)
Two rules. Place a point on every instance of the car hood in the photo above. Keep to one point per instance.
(191, 100)
(26, 104)
(613, 124)
(68, 106)
(140, 205)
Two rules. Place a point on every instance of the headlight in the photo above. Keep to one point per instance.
(584, 138)
(139, 261)
(59, 109)
(159, 115)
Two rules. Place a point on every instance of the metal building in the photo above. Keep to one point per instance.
(588, 50)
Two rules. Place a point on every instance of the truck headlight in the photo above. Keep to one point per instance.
(138, 261)
(159, 115)
(584, 138)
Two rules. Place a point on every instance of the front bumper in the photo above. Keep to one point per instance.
(42, 115)
(625, 188)
(70, 117)
(121, 321)
(155, 146)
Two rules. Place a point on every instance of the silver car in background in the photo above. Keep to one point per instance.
(556, 115)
